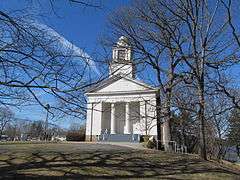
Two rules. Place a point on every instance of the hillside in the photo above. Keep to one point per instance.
(88, 160)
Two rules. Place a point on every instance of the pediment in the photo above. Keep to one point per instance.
(120, 84)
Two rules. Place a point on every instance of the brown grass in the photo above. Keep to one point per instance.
(86, 160)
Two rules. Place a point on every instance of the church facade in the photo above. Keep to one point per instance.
(121, 105)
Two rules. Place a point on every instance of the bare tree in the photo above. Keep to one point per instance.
(34, 61)
(143, 24)
(6, 116)
(191, 36)
(218, 113)
(223, 85)
(234, 130)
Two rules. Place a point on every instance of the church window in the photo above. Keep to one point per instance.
(121, 54)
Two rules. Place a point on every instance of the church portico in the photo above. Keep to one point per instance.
(119, 117)
(122, 116)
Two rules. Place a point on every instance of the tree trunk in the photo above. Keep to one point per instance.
(202, 137)
(159, 123)
(238, 150)
(167, 117)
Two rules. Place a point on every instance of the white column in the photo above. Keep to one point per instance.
(127, 117)
(113, 123)
(152, 114)
(97, 118)
(89, 120)
(144, 117)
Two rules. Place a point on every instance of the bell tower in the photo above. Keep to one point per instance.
(122, 59)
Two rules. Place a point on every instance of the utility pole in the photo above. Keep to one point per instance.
(46, 121)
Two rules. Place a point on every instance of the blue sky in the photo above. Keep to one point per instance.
(78, 25)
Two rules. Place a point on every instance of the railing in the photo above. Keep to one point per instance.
(172, 146)
(106, 136)
(103, 136)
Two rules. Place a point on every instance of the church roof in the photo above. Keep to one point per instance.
(107, 82)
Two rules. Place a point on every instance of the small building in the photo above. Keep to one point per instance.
(58, 138)
(4, 137)
(121, 107)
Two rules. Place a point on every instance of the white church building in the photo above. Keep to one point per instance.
(121, 107)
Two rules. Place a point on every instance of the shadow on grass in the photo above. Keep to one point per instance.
(100, 164)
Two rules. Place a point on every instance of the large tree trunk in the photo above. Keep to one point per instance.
(166, 125)
(159, 123)
(202, 136)
(238, 150)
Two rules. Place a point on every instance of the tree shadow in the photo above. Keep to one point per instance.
(100, 164)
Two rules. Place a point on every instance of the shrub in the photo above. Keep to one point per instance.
(151, 144)
(144, 138)
(75, 136)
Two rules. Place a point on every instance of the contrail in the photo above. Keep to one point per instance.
(66, 44)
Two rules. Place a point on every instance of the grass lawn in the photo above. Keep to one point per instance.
(89, 161)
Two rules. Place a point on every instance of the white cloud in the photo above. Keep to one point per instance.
(78, 52)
